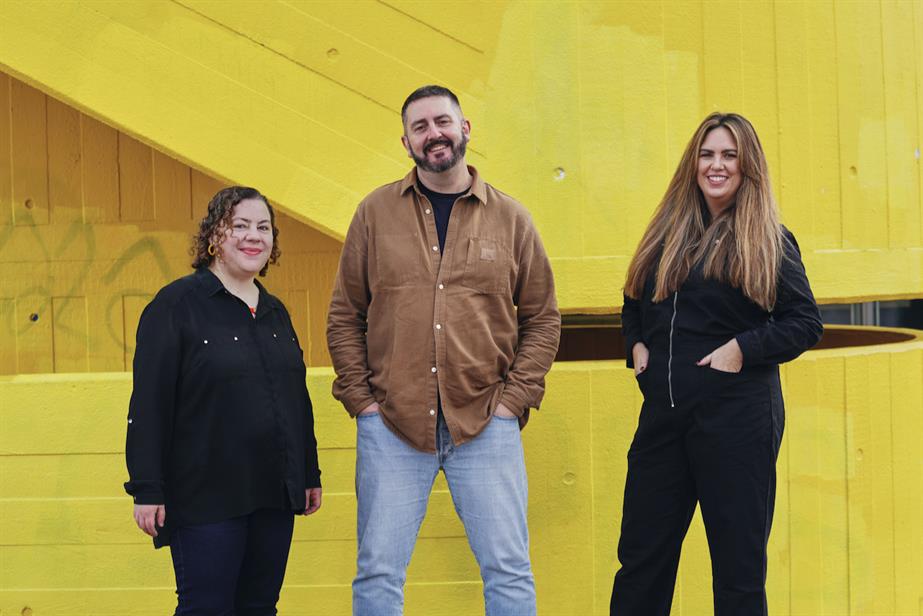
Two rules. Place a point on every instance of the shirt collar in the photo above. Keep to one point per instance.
(211, 284)
(478, 187)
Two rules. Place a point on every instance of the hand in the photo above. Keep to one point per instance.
(502, 411)
(312, 498)
(726, 358)
(640, 355)
(148, 517)
(370, 409)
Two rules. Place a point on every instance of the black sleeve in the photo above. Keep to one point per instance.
(795, 324)
(631, 327)
(312, 467)
(150, 412)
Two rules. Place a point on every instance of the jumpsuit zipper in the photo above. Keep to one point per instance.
(670, 359)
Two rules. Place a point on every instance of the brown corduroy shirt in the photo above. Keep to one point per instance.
(477, 323)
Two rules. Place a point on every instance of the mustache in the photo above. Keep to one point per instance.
(429, 146)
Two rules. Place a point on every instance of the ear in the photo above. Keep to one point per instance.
(466, 127)
(406, 143)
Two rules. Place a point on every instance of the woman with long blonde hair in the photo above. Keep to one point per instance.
(716, 298)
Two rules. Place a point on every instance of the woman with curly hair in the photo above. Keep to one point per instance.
(221, 450)
(715, 299)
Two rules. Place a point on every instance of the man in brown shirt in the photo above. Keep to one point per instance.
(442, 326)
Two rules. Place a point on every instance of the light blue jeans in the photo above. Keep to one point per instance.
(487, 479)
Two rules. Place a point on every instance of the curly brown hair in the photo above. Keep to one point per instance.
(218, 220)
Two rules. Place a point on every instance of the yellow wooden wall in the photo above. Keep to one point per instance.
(94, 222)
(847, 538)
(580, 109)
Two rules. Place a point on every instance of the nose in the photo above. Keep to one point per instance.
(432, 132)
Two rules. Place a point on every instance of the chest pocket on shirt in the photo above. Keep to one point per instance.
(487, 266)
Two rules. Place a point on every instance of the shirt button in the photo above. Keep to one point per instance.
(129, 421)
(435, 248)
(433, 369)
(441, 286)
(274, 336)
(432, 411)
(428, 210)
(235, 338)
(205, 341)
(438, 326)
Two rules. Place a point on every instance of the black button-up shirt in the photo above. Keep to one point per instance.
(220, 422)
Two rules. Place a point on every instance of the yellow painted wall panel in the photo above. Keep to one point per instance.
(907, 467)
(8, 335)
(100, 171)
(69, 331)
(29, 155)
(33, 326)
(6, 168)
(903, 132)
(722, 55)
(606, 92)
(136, 181)
(863, 168)
(172, 192)
(94, 170)
(833, 405)
(65, 178)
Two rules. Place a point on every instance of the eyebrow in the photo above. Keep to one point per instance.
(724, 150)
(242, 219)
(423, 120)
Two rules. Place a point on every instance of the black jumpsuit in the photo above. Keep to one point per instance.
(708, 436)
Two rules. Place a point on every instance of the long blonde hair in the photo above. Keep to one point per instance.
(742, 246)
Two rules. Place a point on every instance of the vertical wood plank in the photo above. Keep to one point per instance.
(8, 335)
(204, 188)
(760, 78)
(858, 438)
(136, 181)
(862, 125)
(723, 44)
(6, 162)
(69, 317)
(65, 182)
(881, 466)
(105, 330)
(907, 430)
(795, 134)
(29, 155)
(172, 193)
(903, 133)
(34, 344)
(100, 171)
(684, 78)
(824, 196)
(832, 484)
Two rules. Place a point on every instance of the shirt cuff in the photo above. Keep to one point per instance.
(513, 403)
(750, 348)
(356, 404)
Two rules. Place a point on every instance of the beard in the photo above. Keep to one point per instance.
(457, 152)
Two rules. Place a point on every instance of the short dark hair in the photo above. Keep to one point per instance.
(426, 92)
(218, 220)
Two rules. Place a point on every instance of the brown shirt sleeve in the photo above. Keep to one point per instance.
(347, 320)
(539, 326)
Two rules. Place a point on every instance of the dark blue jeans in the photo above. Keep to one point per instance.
(234, 567)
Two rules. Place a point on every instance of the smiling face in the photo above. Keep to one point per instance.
(718, 174)
(435, 134)
(247, 245)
